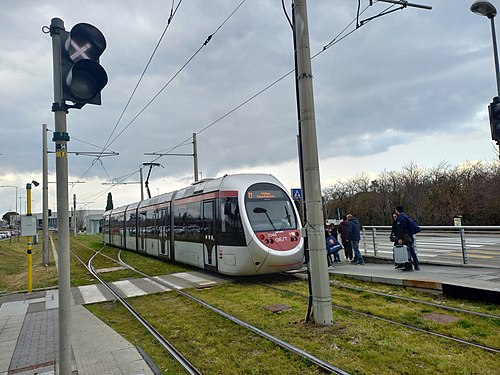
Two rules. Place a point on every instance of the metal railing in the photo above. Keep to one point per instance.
(440, 244)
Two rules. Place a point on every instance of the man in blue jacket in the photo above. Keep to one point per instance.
(403, 235)
(353, 236)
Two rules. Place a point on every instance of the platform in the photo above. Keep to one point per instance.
(480, 283)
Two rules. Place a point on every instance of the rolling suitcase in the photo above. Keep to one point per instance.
(402, 257)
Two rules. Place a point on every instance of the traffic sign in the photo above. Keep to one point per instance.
(296, 194)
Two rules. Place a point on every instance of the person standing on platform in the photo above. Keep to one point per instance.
(403, 235)
(353, 236)
(343, 238)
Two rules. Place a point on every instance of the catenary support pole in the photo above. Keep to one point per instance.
(45, 198)
(74, 216)
(61, 138)
(322, 304)
(195, 157)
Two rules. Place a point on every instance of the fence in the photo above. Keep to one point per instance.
(478, 245)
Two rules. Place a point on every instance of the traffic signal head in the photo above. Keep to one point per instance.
(83, 77)
(494, 111)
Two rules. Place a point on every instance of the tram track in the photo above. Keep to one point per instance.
(186, 365)
(323, 365)
(395, 322)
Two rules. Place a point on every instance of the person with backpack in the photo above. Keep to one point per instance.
(405, 228)
(353, 236)
(333, 247)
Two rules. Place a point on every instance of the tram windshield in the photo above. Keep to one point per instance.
(269, 208)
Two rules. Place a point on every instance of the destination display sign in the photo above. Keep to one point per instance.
(264, 194)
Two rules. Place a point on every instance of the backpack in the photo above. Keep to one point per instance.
(413, 227)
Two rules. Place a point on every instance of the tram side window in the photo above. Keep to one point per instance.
(231, 220)
(131, 223)
(115, 227)
(180, 215)
(147, 223)
(105, 225)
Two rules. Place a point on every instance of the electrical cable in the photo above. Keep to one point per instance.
(209, 38)
(327, 46)
(172, 14)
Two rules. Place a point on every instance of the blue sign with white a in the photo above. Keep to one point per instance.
(296, 194)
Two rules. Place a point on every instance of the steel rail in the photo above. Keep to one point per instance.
(313, 359)
(414, 300)
(188, 366)
(409, 326)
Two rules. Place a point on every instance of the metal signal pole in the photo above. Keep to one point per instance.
(321, 298)
(45, 199)
(61, 138)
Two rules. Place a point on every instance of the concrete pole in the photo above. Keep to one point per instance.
(142, 183)
(195, 157)
(61, 138)
(74, 215)
(45, 198)
(320, 285)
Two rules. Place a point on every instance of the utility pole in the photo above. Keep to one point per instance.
(74, 215)
(321, 298)
(45, 198)
(61, 138)
(195, 157)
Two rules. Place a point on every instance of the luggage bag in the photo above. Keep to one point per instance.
(402, 257)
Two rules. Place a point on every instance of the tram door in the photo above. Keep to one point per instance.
(142, 231)
(164, 229)
(209, 244)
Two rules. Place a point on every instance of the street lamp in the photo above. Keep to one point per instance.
(485, 8)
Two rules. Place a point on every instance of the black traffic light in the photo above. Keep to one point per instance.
(494, 110)
(82, 76)
(49, 212)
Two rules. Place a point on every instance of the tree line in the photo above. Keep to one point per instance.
(431, 196)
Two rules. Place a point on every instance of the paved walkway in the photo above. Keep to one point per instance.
(29, 331)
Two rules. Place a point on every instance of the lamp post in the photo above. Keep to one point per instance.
(485, 8)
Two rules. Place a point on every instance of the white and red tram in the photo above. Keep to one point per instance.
(242, 224)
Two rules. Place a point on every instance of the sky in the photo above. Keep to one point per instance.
(411, 86)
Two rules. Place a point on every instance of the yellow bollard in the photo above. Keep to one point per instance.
(30, 245)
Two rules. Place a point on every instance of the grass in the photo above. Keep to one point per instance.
(355, 343)
(14, 266)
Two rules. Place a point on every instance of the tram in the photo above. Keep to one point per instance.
(241, 224)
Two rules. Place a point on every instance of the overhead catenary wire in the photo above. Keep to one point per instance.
(172, 14)
(207, 40)
(339, 37)
(108, 143)
(330, 44)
